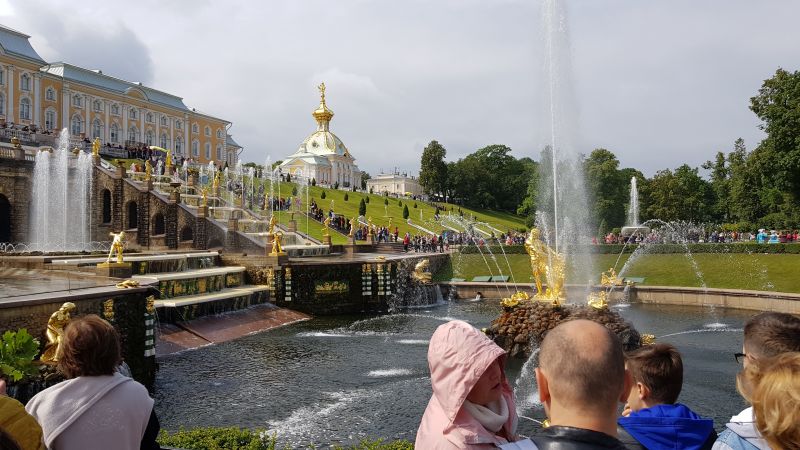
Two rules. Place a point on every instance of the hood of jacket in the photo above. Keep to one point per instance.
(744, 425)
(661, 426)
(57, 407)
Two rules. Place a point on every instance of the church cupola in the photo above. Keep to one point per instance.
(323, 114)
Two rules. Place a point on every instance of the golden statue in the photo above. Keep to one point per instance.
(55, 329)
(108, 309)
(369, 225)
(352, 227)
(327, 226)
(277, 248)
(648, 339)
(117, 245)
(148, 170)
(548, 264)
(215, 183)
(598, 300)
(515, 299)
(96, 147)
(203, 194)
(273, 220)
(168, 159)
(129, 283)
(422, 271)
(390, 224)
(610, 278)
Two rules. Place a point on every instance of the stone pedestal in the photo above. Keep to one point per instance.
(190, 180)
(19, 153)
(350, 249)
(233, 224)
(202, 211)
(371, 239)
(292, 226)
(114, 270)
(277, 260)
(96, 160)
(148, 185)
(326, 239)
(121, 172)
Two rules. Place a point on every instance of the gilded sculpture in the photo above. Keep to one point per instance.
(215, 183)
(117, 245)
(353, 222)
(546, 264)
(55, 329)
(422, 271)
(168, 159)
(326, 226)
(369, 225)
(598, 300)
(96, 147)
(148, 170)
(204, 195)
(277, 247)
(273, 220)
(610, 278)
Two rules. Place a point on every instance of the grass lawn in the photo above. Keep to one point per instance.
(380, 212)
(773, 272)
(314, 228)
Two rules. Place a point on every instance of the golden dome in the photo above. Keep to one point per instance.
(323, 114)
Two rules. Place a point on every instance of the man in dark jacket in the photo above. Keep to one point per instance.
(652, 419)
(581, 379)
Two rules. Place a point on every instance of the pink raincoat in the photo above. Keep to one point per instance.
(457, 356)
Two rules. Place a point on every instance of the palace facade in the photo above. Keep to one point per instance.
(323, 156)
(52, 96)
(396, 183)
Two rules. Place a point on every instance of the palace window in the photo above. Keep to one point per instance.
(219, 153)
(114, 133)
(134, 113)
(195, 148)
(50, 119)
(98, 107)
(2, 76)
(208, 130)
(179, 145)
(97, 129)
(148, 137)
(133, 134)
(25, 82)
(164, 142)
(178, 125)
(148, 118)
(50, 94)
(25, 109)
(115, 109)
(208, 150)
(163, 121)
(76, 126)
(2, 104)
(77, 101)
(219, 134)
(194, 128)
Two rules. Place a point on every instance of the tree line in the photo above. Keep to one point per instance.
(739, 188)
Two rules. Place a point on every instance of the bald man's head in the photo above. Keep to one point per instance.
(584, 365)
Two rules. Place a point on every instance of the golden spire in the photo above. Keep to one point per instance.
(323, 114)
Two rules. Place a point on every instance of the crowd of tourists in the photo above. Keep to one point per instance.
(583, 378)
(762, 236)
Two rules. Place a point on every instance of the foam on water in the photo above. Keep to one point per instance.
(716, 325)
(382, 373)
(413, 341)
(322, 334)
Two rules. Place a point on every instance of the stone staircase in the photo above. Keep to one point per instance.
(389, 247)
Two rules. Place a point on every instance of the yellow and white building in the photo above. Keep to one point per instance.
(90, 104)
(323, 156)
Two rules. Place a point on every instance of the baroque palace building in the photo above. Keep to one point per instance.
(323, 156)
(51, 96)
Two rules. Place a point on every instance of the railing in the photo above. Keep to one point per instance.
(28, 138)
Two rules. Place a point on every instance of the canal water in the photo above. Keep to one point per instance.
(336, 380)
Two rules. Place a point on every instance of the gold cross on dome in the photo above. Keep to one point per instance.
(321, 88)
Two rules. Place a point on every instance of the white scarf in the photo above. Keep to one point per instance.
(492, 416)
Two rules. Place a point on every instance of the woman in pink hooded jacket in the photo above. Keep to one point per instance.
(472, 406)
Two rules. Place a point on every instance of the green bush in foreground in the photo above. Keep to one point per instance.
(234, 438)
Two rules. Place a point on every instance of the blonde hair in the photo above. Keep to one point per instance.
(775, 394)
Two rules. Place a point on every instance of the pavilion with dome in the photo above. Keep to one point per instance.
(323, 156)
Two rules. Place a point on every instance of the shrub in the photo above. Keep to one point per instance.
(366, 199)
(399, 203)
(294, 190)
(405, 212)
(336, 185)
(386, 201)
(313, 181)
(415, 205)
(288, 178)
(233, 438)
(322, 196)
(346, 197)
(362, 208)
(17, 351)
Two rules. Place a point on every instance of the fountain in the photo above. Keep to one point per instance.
(633, 227)
(61, 199)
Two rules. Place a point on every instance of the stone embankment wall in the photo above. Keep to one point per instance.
(666, 295)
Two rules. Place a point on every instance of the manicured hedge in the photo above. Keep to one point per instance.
(234, 438)
(743, 247)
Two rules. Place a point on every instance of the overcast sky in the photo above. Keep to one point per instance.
(658, 83)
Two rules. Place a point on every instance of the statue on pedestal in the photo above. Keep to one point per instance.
(369, 225)
(353, 222)
(55, 328)
(117, 245)
(547, 263)
(203, 193)
(272, 222)
(96, 147)
(327, 226)
(148, 170)
(277, 248)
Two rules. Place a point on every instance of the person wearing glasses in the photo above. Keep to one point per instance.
(766, 335)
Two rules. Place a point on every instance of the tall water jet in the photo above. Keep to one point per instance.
(563, 212)
(633, 226)
(62, 197)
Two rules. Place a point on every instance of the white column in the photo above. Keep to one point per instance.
(65, 102)
(141, 121)
(87, 106)
(10, 109)
(107, 126)
(158, 129)
(171, 125)
(187, 144)
(124, 131)
(37, 100)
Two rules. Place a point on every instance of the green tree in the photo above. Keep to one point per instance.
(433, 170)
(405, 212)
(364, 177)
(313, 181)
(346, 197)
(607, 187)
(322, 196)
(362, 208)
(679, 195)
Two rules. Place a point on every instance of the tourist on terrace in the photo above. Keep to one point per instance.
(766, 335)
(652, 419)
(581, 380)
(472, 406)
(21, 430)
(776, 396)
(96, 408)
